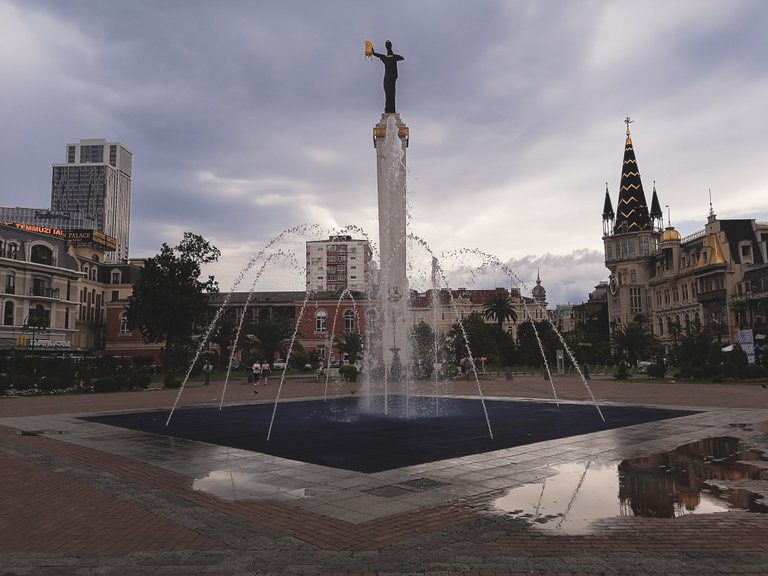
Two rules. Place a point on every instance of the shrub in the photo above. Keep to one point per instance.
(105, 384)
(123, 382)
(755, 371)
(48, 384)
(710, 370)
(622, 371)
(170, 381)
(448, 370)
(348, 372)
(657, 370)
(65, 372)
(695, 373)
(5, 383)
(23, 382)
(141, 380)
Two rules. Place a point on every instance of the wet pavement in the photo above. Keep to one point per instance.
(81, 497)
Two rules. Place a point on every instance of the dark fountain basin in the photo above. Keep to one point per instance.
(341, 434)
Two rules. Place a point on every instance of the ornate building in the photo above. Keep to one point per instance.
(672, 283)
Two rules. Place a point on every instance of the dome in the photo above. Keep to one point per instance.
(670, 235)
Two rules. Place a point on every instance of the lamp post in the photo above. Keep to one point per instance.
(34, 324)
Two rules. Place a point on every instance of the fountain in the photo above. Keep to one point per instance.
(437, 428)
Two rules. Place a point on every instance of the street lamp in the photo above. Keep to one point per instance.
(34, 324)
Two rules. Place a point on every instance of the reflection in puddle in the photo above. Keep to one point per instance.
(241, 485)
(696, 478)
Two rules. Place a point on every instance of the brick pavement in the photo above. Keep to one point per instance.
(69, 509)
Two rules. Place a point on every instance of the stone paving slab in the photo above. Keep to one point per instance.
(79, 498)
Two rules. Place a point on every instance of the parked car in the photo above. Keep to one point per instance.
(278, 365)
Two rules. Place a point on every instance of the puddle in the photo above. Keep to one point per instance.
(241, 486)
(712, 475)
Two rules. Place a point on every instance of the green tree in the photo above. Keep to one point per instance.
(352, 344)
(481, 338)
(223, 334)
(500, 308)
(270, 337)
(170, 302)
(694, 349)
(635, 341)
(528, 349)
(423, 338)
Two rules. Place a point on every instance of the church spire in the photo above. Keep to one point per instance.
(656, 214)
(632, 207)
(608, 214)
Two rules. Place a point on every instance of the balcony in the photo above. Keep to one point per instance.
(711, 295)
(44, 292)
(10, 289)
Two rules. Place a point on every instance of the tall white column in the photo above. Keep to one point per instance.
(391, 141)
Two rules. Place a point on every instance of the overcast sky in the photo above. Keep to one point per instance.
(248, 118)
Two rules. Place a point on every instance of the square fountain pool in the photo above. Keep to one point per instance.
(352, 433)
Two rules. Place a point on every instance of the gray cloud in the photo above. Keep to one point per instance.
(249, 118)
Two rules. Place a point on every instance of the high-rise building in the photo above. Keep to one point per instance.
(96, 179)
(338, 263)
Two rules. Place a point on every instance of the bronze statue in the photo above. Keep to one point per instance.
(390, 60)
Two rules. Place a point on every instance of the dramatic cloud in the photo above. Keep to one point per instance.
(250, 118)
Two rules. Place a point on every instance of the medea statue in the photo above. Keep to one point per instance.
(390, 60)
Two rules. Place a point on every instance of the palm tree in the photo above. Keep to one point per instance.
(500, 308)
(270, 337)
(635, 341)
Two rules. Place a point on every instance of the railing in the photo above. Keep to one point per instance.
(718, 294)
(10, 289)
(45, 292)
(694, 236)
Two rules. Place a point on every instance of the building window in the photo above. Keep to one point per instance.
(12, 251)
(124, 324)
(661, 327)
(115, 277)
(349, 320)
(746, 253)
(41, 255)
(115, 295)
(635, 300)
(633, 276)
(8, 314)
(320, 321)
(10, 284)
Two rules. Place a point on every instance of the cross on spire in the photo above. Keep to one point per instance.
(628, 121)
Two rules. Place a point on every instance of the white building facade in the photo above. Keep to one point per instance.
(339, 263)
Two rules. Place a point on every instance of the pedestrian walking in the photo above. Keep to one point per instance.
(256, 372)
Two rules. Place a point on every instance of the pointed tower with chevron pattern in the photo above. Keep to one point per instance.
(632, 209)
(630, 238)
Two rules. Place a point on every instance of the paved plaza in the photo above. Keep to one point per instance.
(77, 497)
